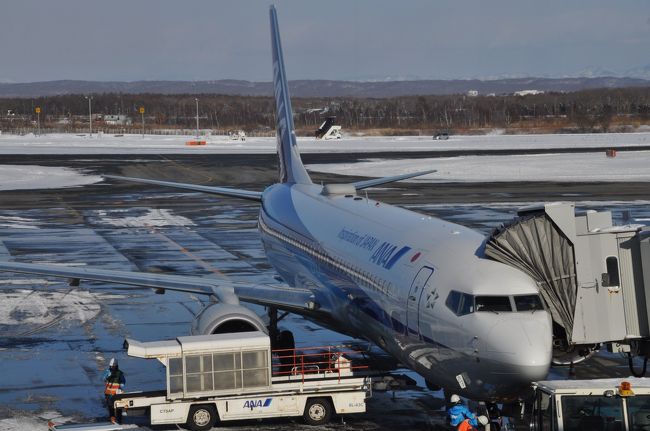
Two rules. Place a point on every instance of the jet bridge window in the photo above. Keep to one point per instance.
(493, 303)
(460, 303)
(611, 278)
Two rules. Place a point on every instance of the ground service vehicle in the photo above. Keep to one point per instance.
(223, 377)
(591, 405)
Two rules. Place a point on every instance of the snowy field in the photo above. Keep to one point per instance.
(25, 177)
(631, 166)
(135, 144)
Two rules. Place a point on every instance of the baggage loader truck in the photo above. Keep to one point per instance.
(224, 377)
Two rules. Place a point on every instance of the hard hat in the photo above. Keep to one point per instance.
(454, 399)
(112, 363)
(483, 420)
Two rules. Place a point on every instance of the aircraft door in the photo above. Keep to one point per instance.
(413, 299)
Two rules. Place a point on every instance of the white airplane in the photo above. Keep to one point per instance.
(417, 286)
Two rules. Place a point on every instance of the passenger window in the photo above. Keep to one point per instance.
(597, 413)
(528, 303)
(493, 303)
(453, 301)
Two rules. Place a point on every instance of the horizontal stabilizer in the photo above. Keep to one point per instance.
(360, 185)
(223, 191)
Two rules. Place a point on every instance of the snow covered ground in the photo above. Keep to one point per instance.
(135, 144)
(570, 167)
(566, 167)
(24, 177)
(150, 217)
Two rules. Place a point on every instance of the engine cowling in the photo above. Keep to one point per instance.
(226, 318)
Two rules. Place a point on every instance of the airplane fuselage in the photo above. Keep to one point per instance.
(386, 274)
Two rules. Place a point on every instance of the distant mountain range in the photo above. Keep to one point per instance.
(319, 88)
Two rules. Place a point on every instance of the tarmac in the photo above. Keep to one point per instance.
(55, 339)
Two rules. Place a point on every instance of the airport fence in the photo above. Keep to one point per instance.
(22, 131)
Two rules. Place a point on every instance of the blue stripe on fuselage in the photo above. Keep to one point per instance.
(396, 257)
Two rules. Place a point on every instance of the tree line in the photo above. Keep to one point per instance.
(582, 111)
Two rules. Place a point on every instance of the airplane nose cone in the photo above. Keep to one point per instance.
(525, 341)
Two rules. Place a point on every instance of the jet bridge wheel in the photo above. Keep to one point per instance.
(201, 417)
(318, 411)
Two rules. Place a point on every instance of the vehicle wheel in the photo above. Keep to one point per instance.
(201, 418)
(318, 411)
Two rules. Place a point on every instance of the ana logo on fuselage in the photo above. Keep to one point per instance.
(387, 255)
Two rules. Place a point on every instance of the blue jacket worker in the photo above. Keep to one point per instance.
(458, 413)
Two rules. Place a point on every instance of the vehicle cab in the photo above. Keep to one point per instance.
(598, 405)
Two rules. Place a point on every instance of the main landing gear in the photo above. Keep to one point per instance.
(282, 342)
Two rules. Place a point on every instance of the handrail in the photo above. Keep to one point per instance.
(314, 360)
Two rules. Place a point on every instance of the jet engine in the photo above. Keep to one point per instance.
(223, 318)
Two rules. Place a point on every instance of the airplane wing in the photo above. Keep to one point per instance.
(296, 300)
(360, 185)
(224, 191)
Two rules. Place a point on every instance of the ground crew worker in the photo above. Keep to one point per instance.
(462, 418)
(473, 425)
(114, 382)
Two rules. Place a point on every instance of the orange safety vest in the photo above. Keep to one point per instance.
(112, 385)
(111, 388)
(465, 426)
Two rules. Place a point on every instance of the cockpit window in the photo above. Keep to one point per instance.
(493, 303)
(528, 303)
(466, 304)
(453, 301)
(460, 303)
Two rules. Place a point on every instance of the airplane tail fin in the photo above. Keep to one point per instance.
(290, 165)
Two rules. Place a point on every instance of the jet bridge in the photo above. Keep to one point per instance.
(593, 276)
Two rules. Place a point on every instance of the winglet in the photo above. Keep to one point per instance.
(290, 165)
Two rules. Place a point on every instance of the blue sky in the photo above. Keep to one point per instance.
(130, 40)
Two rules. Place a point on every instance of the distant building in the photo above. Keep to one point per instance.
(528, 92)
(117, 120)
(472, 93)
